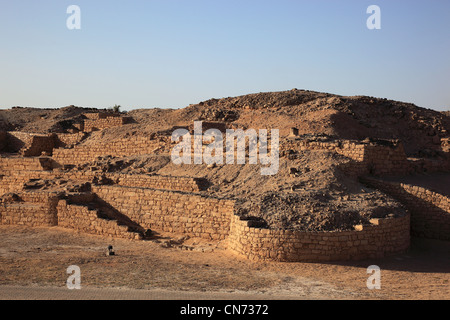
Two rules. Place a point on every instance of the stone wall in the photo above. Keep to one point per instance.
(29, 144)
(14, 164)
(36, 209)
(122, 147)
(84, 219)
(421, 165)
(200, 216)
(68, 140)
(159, 182)
(382, 238)
(383, 157)
(104, 123)
(12, 180)
(430, 211)
(171, 211)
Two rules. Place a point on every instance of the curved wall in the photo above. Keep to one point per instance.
(383, 237)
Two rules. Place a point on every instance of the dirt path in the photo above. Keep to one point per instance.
(34, 261)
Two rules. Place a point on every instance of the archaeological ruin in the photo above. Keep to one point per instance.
(339, 194)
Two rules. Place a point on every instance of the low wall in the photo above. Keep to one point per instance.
(29, 144)
(104, 123)
(67, 140)
(430, 165)
(119, 148)
(160, 182)
(17, 164)
(382, 238)
(430, 211)
(83, 219)
(171, 211)
(186, 184)
(37, 209)
(384, 157)
(14, 182)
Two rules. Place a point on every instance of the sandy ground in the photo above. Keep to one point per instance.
(34, 261)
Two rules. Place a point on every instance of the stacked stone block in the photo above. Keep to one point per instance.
(382, 238)
(35, 210)
(121, 147)
(430, 211)
(171, 211)
(386, 157)
(83, 219)
(29, 144)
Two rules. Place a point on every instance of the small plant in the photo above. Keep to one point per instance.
(116, 108)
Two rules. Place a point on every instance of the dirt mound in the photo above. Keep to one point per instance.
(357, 117)
(37, 120)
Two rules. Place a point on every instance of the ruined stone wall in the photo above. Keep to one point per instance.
(104, 123)
(65, 140)
(36, 209)
(186, 184)
(171, 211)
(430, 211)
(11, 165)
(119, 148)
(382, 238)
(159, 182)
(430, 165)
(382, 158)
(14, 182)
(29, 144)
(83, 219)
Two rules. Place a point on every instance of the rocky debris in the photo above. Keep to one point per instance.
(57, 184)
(10, 198)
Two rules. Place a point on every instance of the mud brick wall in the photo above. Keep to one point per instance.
(37, 209)
(124, 147)
(171, 211)
(382, 238)
(430, 211)
(83, 219)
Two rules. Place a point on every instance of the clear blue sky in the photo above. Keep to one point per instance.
(171, 53)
